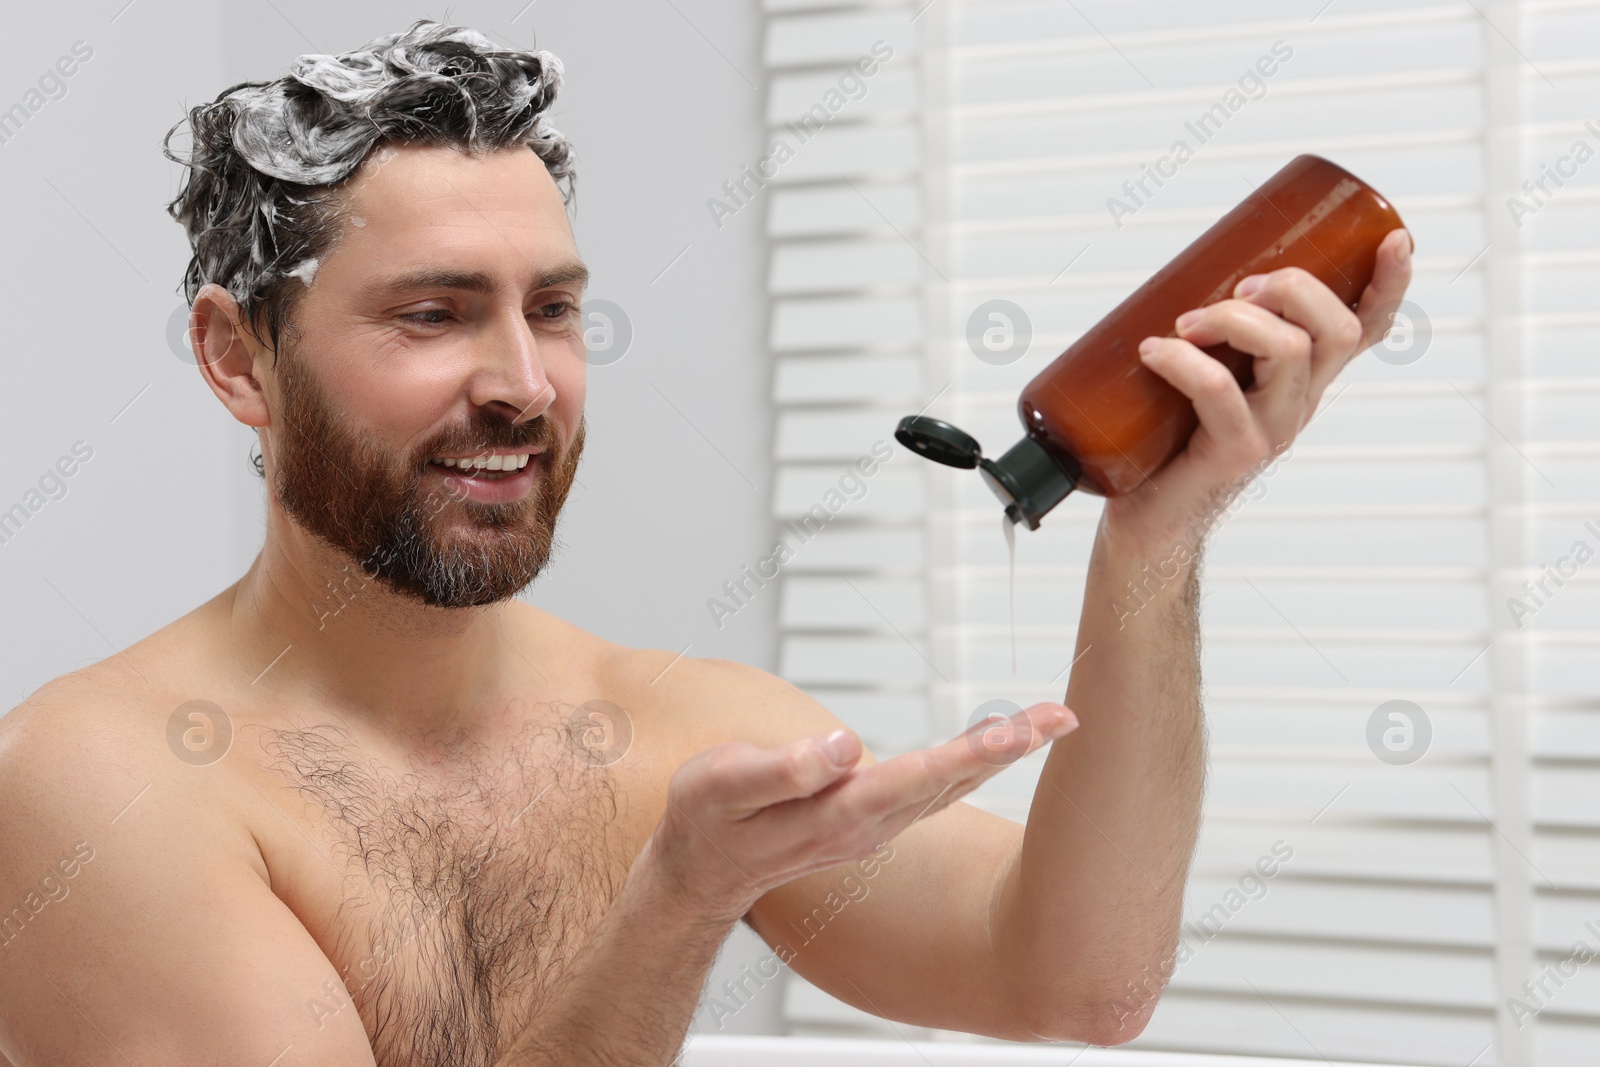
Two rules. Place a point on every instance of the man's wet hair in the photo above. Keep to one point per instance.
(262, 198)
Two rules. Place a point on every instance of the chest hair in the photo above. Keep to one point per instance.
(468, 882)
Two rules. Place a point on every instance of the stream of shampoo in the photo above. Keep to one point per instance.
(1010, 529)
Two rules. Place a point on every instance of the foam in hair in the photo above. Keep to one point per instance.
(260, 201)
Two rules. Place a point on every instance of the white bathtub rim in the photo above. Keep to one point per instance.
(720, 1045)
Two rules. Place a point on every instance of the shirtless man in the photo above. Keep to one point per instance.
(365, 807)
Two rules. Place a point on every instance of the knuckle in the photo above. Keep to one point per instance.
(1215, 382)
(689, 777)
(1297, 279)
(719, 763)
(1235, 313)
(796, 767)
(718, 774)
(1301, 345)
(734, 751)
(678, 790)
(718, 758)
(1349, 331)
(690, 784)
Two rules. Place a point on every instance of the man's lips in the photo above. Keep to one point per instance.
(476, 478)
(502, 459)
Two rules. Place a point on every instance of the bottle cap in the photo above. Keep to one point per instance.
(1025, 479)
(937, 440)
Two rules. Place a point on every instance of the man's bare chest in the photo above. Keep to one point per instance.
(450, 893)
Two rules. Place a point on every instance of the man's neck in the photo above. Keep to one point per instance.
(312, 622)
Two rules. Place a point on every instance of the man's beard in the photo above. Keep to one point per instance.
(340, 486)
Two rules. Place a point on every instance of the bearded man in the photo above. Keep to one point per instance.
(366, 807)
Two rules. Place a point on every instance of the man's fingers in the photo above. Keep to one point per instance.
(817, 813)
(1002, 740)
(1283, 350)
(751, 778)
(1390, 278)
(1219, 402)
(997, 743)
(915, 780)
(1334, 329)
(1299, 331)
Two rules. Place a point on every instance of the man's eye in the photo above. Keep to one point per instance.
(418, 317)
(555, 310)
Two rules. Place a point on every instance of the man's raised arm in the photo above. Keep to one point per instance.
(1093, 900)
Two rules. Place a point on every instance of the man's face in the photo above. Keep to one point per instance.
(443, 324)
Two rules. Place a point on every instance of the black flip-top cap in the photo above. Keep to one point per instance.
(939, 441)
(1027, 481)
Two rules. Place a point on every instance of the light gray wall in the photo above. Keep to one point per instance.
(662, 101)
(154, 522)
(167, 512)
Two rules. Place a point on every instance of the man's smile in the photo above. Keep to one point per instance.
(493, 477)
(502, 460)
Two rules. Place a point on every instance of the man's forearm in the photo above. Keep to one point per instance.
(1093, 900)
(628, 997)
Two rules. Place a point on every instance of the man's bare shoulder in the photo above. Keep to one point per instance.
(85, 747)
(136, 888)
(717, 699)
(692, 701)
(93, 762)
(82, 724)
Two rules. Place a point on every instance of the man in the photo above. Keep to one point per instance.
(365, 807)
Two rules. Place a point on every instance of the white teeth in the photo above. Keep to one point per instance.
(491, 463)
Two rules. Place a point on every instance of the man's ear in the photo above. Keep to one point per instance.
(227, 353)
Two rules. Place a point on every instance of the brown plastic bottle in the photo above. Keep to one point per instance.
(1097, 418)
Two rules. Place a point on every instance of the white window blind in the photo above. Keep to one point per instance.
(1385, 560)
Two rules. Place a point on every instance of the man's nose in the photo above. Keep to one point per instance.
(509, 372)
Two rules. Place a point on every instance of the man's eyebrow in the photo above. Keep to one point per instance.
(473, 281)
(570, 271)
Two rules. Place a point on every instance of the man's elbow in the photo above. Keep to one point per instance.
(1100, 1018)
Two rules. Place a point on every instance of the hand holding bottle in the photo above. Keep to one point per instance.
(1101, 419)
(1300, 335)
